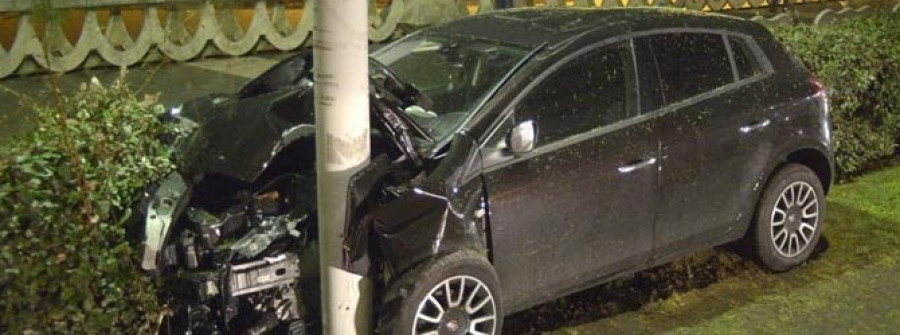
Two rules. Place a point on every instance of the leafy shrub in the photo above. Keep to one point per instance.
(64, 195)
(859, 62)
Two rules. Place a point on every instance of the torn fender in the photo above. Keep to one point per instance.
(421, 224)
(362, 190)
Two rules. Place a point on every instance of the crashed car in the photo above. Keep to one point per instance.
(517, 157)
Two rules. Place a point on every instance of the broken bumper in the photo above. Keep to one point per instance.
(163, 207)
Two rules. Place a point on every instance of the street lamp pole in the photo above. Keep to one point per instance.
(342, 148)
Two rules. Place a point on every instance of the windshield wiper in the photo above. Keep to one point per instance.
(400, 88)
(386, 109)
(389, 103)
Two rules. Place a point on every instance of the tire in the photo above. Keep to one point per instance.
(424, 289)
(789, 218)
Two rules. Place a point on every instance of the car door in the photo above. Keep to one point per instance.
(580, 204)
(705, 154)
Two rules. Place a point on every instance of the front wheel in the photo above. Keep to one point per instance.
(789, 218)
(457, 294)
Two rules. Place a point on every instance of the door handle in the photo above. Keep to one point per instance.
(754, 126)
(637, 166)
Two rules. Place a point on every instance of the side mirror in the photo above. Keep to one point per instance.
(522, 137)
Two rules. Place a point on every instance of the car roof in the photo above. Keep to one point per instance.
(532, 27)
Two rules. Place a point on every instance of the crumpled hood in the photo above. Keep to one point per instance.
(239, 137)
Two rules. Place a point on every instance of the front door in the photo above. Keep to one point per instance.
(580, 205)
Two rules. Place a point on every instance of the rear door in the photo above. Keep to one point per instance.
(712, 126)
(581, 204)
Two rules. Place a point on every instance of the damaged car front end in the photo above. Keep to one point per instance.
(232, 232)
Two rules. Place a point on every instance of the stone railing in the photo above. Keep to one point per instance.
(182, 30)
(825, 16)
(163, 30)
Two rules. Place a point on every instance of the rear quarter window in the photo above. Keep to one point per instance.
(746, 62)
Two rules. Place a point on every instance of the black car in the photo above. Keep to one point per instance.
(517, 157)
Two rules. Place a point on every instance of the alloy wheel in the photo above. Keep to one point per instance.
(795, 219)
(459, 305)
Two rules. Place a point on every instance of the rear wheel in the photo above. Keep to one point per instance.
(788, 222)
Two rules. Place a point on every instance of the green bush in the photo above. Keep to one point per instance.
(859, 62)
(65, 191)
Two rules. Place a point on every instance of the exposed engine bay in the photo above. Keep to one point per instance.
(236, 246)
(249, 268)
(250, 260)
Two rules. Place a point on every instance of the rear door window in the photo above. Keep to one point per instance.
(590, 91)
(691, 64)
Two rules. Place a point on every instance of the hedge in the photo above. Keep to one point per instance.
(65, 191)
(858, 60)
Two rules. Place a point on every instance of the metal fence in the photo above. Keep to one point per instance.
(61, 36)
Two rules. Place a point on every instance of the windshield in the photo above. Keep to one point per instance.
(456, 74)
